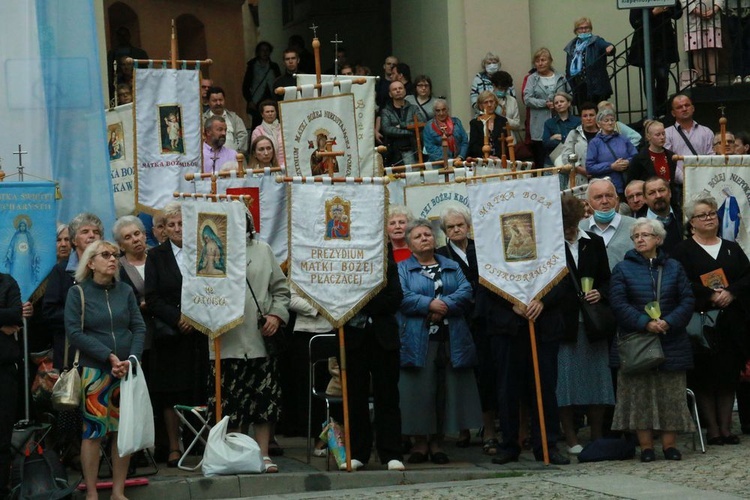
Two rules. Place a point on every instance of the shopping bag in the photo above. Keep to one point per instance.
(333, 434)
(136, 430)
(230, 452)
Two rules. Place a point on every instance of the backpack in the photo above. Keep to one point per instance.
(39, 474)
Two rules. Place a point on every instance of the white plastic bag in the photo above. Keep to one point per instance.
(136, 430)
(230, 453)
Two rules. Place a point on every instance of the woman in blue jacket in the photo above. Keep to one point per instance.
(586, 64)
(438, 389)
(609, 153)
(654, 400)
(451, 127)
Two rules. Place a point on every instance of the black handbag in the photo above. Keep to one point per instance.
(162, 329)
(641, 351)
(277, 343)
(598, 319)
(702, 331)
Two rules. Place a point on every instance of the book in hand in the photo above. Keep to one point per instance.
(715, 279)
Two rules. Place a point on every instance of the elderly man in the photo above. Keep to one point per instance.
(216, 157)
(634, 198)
(397, 115)
(606, 222)
(236, 136)
(658, 198)
(291, 65)
(686, 137)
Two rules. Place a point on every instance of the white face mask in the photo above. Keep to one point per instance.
(492, 68)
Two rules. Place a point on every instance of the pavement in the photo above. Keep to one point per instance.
(720, 473)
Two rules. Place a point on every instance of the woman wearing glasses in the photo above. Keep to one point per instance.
(719, 272)
(103, 322)
(653, 400)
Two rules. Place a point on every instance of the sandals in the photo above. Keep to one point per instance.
(269, 466)
(490, 446)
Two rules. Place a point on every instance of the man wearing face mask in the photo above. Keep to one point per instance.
(606, 222)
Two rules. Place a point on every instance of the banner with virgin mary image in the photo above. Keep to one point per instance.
(727, 179)
(120, 150)
(518, 235)
(28, 233)
(169, 142)
(337, 246)
(213, 284)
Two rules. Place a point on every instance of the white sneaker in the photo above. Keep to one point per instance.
(356, 464)
(575, 450)
(737, 79)
(396, 465)
(320, 452)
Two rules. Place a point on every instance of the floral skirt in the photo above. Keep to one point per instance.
(652, 401)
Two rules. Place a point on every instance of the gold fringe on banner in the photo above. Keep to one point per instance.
(513, 300)
(212, 334)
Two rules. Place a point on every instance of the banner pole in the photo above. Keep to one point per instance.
(217, 381)
(538, 384)
(345, 398)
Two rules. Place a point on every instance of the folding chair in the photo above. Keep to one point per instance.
(105, 448)
(693, 407)
(200, 413)
(321, 347)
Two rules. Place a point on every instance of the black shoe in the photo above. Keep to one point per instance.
(505, 456)
(555, 458)
(730, 439)
(417, 457)
(439, 458)
(648, 455)
(669, 454)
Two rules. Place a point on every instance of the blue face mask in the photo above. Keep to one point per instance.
(500, 93)
(584, 36)
(604, 217)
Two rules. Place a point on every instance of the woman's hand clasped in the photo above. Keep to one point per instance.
(722, 298)
(657, 326)
(119, 368)
(271, 326)
(592, 296)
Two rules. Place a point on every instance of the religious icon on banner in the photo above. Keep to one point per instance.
(115, 141)
(519, 238)
(212, 245)
(21, 257)
(170, 128)
(338, 220)
(318, 164)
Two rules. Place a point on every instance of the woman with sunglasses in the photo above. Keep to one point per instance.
(103, 323)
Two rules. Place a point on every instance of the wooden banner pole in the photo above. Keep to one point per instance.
(345, 398)
(538, 384)
(173, 47)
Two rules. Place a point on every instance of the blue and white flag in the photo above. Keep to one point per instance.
(28, 233)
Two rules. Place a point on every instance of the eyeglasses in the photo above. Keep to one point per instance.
(706, 216)
(638, 236)
(106, 255)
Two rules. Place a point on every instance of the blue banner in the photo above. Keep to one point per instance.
(28, 235)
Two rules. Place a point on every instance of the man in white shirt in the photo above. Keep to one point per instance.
(606, 222)
(686, 137)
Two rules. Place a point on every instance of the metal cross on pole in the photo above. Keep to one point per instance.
(20, 152)
(314, 28)
(336, 43)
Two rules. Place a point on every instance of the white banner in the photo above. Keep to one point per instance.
(518, 235)
(427, 201)
(306, 125)
(168, 129)
(121, 157)
(728, 180)
(213, 285)
(364, 106)
(337, 245)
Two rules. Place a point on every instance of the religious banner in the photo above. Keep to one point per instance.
(727, 179)
(120, 148)
(518, 235)
(364, 106)
(28, 233)
(168, 136)
(337, 248)
(427, 201)
(213, 285)
(306, 127)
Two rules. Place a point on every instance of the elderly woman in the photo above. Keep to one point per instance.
(179, 370)
(104, 323)
(249, 372)
(586, 63)
(609, 153)
(63, 242)
(541, 86)
(557, 128)
(719, 272)
(270, 128)
(437, 351)
(423, 98)
(490, 66)
(654, 400)
(489, 123)
(443, 125)
(584, 378)
(398, 217)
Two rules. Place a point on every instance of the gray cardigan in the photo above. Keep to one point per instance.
(112, 322)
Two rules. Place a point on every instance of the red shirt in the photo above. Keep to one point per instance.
(661, 166)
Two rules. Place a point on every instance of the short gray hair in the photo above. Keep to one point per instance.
(452, 210)
(604, 113)
(126, 220)
(83, 272)
(395, 210)
(84, 219)
(172, 209)
(598, 180)
(412, 225)
(440, 100)
(61, 228)
(654, 225)
(689, 208)
(211, 120)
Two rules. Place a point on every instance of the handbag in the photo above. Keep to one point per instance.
(162, 329)
(277, 343)
(66, 393)
(230, 452)
(641, 351)
(701, 331)
(136, 428)
(598, 319)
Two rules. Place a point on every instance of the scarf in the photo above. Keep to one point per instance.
(271, 130)
(448, 133)
(576, 65)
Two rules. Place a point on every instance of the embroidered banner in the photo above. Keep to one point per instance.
(337, 248)
(306, 126)
(518, 235)
(427, 201)
(213, 287)
(168, 134)
(120, 149)
(727, 179)
(28, 233)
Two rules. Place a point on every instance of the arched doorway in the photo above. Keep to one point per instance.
(191, 39)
